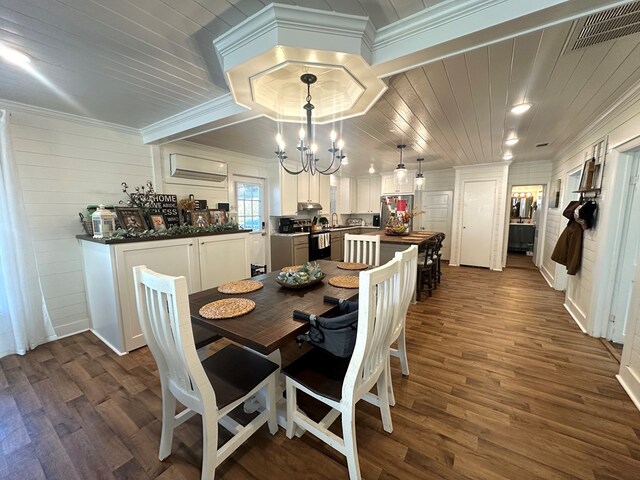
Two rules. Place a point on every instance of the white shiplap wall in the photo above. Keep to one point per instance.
(499, 173)
(65, 164)
(439, 180)
(620, 127)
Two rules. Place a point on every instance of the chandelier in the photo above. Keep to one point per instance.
(307, 146)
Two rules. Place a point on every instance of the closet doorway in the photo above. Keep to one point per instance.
(523, 242)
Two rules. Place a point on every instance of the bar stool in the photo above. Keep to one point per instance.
(427, 269)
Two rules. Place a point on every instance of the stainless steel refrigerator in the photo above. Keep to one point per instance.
(389, 204)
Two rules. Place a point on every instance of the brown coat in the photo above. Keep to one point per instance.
(568, 250)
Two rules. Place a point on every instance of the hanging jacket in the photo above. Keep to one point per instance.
(568, 250)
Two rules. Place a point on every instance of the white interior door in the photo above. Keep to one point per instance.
(250, 196)
(478, 206)
(437, 208)
(627, 261)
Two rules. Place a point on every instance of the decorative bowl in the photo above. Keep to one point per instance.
(300, 285)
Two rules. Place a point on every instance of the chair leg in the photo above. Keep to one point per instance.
(402, 351)
(350, 446)
(387, 372)
(383, 401)
(209, 447)
(271, 405)
(168, 422)
(291, 407)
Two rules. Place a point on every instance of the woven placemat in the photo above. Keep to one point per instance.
(240, 286)
(345, 281)
(227, 308)
(352, 266)
(292, 268)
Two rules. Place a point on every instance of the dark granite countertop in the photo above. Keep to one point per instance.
(117, 241)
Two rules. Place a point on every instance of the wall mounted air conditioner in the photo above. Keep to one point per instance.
(196, 168)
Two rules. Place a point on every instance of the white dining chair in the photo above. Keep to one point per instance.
(340, 383)
(408, 276)
(362, 249)
(213, 387)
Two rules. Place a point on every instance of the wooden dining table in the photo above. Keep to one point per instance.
(271, 324)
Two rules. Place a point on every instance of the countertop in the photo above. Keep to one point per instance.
(118, 241)
(414, 238)
(328, 230)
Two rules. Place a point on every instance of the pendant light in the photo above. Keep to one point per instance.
(419, 182)
(400, 175)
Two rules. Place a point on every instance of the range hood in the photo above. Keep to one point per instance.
(302, 206)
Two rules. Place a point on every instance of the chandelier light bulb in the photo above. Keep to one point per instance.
(512, 141)
(340, 144)
(520, 108)
(12, 55)
(314, 148)
(333, 135)
(301, 134)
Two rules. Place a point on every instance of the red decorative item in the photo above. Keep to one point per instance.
(402, 205)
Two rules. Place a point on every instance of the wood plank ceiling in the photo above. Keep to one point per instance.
(456, 111)
(135, 62)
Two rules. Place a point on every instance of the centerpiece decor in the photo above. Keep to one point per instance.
(309, 274)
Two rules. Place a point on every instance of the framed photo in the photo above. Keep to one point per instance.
(131, 218)
(554, 196)
(158, 222)
(219, 217)
(588, 173)
(200, 218)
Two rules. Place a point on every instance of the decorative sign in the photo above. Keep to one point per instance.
(169, 206)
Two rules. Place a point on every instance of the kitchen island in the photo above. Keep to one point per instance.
(390, 244)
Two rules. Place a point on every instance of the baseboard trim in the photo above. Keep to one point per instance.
(576, 314)
(72, 333)
(547, 276)
(627, 388)
(72, 328)
(118, 352)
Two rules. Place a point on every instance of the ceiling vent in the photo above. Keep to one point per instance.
(604, 26)
(544, 144)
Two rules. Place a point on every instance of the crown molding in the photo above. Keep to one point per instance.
(631, 96)
(69, 117)
(307, 28)
(208, 112)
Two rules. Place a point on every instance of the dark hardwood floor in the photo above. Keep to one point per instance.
(503, 385)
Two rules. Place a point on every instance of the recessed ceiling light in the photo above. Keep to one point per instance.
(520, 108)
(12, 55)
(507, 156)
(511, 141)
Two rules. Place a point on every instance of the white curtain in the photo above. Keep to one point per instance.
(24, 319)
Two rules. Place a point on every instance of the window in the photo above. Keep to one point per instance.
(249, 200)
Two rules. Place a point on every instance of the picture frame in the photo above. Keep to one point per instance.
(158, 222)
(554, 196)
(131, 218)
(219, 216)
(200, 218)
(588, 174)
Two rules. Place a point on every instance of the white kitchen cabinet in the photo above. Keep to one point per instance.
(304, 187)
(284, 192)
(347, 200)
(388, 187)
(314, 189)
(368, 194)
(205, 262)
(223, 258)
